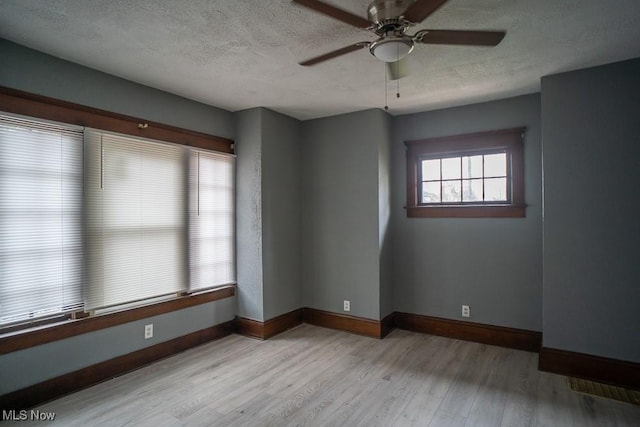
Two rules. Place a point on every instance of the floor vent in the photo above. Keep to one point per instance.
(604, 390)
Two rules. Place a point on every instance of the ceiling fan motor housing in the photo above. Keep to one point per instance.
(393, 43)
(385, 13)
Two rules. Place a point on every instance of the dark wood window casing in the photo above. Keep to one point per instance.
(509, 141)
(17, 337)
(42, 107)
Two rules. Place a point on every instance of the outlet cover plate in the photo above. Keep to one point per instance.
(148, 331)
(466, 312)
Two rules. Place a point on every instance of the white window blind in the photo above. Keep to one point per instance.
(40, 219)
(91, 219)
(136, 198)
(211, 220)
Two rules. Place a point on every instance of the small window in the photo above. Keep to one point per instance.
(478, 178)
(475, 175)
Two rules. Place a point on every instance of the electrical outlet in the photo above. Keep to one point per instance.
(466, 312)
(148, 331)
(347, 305)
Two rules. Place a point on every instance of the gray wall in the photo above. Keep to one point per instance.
(23, 368)
(493, 265)
(281, 192)
(32, 71)
(248, 147)
(592, 211)
(268, 214)
(385, 123)
(35, 72)
(340, 212)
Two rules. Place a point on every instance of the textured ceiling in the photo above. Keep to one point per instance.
(238, 54)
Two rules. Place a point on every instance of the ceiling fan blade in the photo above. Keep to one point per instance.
(398, 69)
(471, 38)
(334, 12)
(335, 53)
(421, 9)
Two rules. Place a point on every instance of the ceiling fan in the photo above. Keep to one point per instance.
(389, 20)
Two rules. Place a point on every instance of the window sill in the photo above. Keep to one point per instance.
(32, 337)
(460, 211)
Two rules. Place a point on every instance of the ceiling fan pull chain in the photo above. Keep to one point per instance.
(386, 103)
(398, 88)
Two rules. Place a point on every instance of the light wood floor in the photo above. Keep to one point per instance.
(316, 376)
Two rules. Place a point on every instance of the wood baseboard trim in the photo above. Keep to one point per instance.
(387, 324)
(248, 327)
(357, 325)
(518, 339)
(74, 381)
(284, 322)
(272, 327)
(594, 368)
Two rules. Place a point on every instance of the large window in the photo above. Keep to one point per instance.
(92, 219)
(40, 219)
(473, 175)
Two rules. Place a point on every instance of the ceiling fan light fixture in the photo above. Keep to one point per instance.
(391, 49)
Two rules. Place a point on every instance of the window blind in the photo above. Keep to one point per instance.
(211, 220)
(90, 219)
(136, 198)
(40, 219)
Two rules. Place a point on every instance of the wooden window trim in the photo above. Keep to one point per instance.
(28, 104)
(38, 106)
(26, 338)
(508, 139)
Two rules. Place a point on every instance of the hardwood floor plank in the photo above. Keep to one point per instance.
(553, 401)
(315, 376)
(520, 406)
(489, 404)
(590, 411)
(342, 391)
(153, 420)
(307, 397)
(448, 420)
(462, 392)
(436, 374)
(405, 379)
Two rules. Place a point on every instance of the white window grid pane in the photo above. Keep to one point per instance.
(453, 185)
(451, 168)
